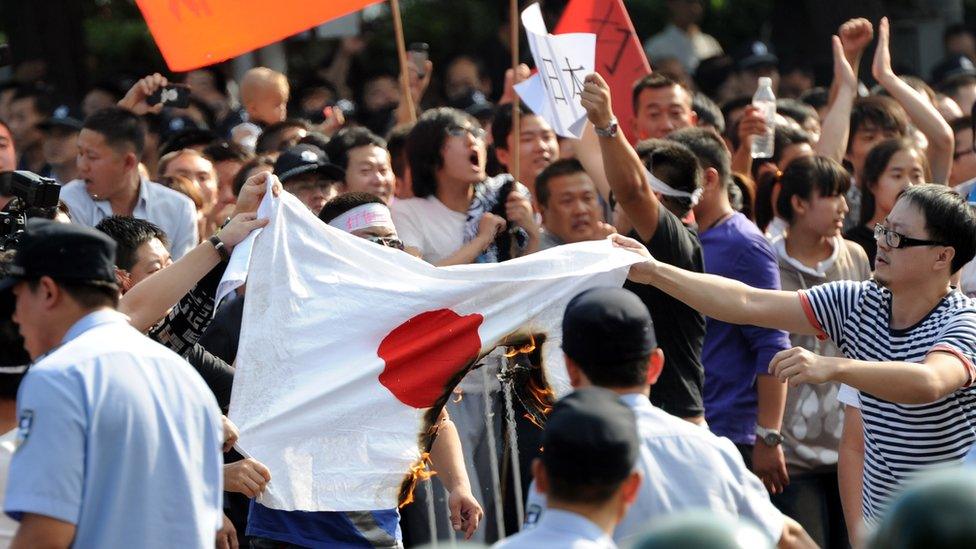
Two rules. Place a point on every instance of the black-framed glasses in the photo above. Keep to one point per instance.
(898, 240)
(460, 131)
(387, 241)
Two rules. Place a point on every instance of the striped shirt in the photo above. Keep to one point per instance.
(900, 440)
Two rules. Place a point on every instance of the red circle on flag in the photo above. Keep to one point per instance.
(424, 353)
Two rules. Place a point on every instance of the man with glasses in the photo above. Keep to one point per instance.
(306, 172)
(454, 219)
(908, 338)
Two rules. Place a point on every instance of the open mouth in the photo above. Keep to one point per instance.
(475, 161)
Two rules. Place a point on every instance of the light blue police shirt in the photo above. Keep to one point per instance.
(684, 467)
(560, 529)
(120, 437)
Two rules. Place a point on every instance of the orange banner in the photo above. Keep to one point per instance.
(196, 33)
(620, 58)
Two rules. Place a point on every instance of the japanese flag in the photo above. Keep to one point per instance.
(346, 345)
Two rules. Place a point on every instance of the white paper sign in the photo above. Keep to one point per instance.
(563, 61)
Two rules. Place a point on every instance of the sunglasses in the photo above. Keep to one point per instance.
(386, 241)
(460, 131)
(898, 240)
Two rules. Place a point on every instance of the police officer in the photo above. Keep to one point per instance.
(119, 440)
(587, 471)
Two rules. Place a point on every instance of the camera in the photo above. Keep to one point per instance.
(33, 196)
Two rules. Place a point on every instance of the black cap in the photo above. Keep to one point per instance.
(63, 116)
(755, 54)
(607, 326)
(304, 159)
(64, 252)
(590, 438)
(474, 103)
(954, 65)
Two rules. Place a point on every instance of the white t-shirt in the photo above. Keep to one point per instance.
(430, 226)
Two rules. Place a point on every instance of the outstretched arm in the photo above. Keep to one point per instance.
(718, 297)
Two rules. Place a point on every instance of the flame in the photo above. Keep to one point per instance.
(541, 399)
(419, 471)
(523, 350)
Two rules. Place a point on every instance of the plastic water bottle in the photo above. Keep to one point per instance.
(765, 101)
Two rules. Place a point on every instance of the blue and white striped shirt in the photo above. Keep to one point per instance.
(900, 440)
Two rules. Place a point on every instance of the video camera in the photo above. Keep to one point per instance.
(33, 196)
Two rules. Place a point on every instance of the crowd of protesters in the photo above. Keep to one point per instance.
(795, 351)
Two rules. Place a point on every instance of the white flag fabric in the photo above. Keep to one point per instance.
(563, 61)
(346, 344)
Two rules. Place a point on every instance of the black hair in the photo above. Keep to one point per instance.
(955, 29)
(950, 86)
(188, 139)
(796, 110)
(425, 142)
(559, 168)
(676, 165)
(948, 219)
(223, 150)
(875, 164)
(88, 294)
(41, 94)
(808, 174)
(129, 233)
(708, 147)
(571, 490)
(121, 128)
(348, 139)
(883, 113)
(396, 144)
(817, 97)
(961, 124)
(270, 139)
(345, 202)
(627, 373)
(316, 139)
(785, 135)
(708, 112)
(501, 123)
(241, 178)
(653, 81)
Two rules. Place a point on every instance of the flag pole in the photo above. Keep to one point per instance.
(402, 54)
(516, 118)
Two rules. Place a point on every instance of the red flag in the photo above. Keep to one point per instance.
(620, 58)
(196, 33)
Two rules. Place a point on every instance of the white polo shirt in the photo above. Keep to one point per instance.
(684, 467)
(120, 437)
(171, 211)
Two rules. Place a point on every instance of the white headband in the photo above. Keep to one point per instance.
(364, 216)
(668, 190)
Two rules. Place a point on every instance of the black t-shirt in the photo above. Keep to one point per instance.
(680, 329)
(865, 237)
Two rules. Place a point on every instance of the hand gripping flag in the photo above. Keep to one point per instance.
(195, 33)
(348, 349)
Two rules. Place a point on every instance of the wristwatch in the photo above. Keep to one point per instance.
(770, 437)
(218, 245)
(610, 130)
